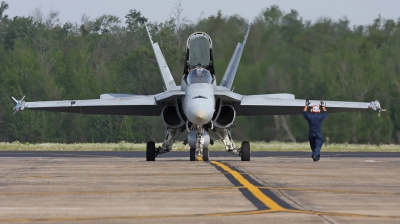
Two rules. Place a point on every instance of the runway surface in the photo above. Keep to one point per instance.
(213, 154)
(274, 187)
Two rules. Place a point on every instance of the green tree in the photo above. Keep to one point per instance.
(3, 8)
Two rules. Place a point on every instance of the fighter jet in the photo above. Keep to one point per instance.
(198, 105)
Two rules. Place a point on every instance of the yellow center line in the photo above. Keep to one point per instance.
(199, 158)
(274, 207)
(253, 189)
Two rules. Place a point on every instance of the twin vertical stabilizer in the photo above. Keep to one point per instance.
(230, 72)
(162, 64)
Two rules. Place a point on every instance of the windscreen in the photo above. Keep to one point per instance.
(199, 75)
(199, 51)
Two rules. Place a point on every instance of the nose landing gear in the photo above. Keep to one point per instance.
(200, 151)
(204, 155)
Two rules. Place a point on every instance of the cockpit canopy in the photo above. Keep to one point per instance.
(199, 75)
(199, 45)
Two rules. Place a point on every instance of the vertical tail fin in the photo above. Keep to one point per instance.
(230, 72)
(162, 64)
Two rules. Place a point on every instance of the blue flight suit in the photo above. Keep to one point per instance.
(315, 131)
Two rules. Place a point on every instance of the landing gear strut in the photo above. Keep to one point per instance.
(170, 136)
(226, 137)
(199, 140)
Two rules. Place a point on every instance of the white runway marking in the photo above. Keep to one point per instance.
(371, 161)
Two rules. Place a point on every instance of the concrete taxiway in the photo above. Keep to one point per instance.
(99, 187)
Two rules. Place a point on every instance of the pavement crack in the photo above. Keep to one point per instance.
(324, 218)
(287, 197)
(282, 193)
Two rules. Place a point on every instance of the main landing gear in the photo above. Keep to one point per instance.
(199, 140)
(151, 151)
(245, 151)
(226, 137)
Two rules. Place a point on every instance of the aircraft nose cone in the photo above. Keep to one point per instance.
(200, 116)
(199, 112)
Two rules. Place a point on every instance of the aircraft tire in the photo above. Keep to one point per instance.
(206, 154)
(151, 151)
(245, 154)
(192, 154)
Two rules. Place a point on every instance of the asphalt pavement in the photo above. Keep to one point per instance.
(274, 187)
(181, 154)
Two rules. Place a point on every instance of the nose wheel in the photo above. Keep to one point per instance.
(204, 154)
(192, 154)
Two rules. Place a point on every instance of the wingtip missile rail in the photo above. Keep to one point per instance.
(20, 104)
(375, 105)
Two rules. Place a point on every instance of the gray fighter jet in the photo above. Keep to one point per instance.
(198, 105)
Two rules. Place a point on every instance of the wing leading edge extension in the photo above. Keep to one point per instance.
(229, 76)
(260, 105)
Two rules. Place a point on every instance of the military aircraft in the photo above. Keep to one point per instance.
(198, 105)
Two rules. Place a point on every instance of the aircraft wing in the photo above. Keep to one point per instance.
(110, 104)
(265, 105)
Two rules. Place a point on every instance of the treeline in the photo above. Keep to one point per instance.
(45, 59)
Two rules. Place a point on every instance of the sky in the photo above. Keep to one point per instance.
(359, 12)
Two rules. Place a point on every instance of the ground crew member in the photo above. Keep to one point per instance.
(315, 127)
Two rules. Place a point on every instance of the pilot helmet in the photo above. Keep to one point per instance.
(315, 109)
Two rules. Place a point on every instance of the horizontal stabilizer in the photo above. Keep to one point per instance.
(230, 72)
(162, 64)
